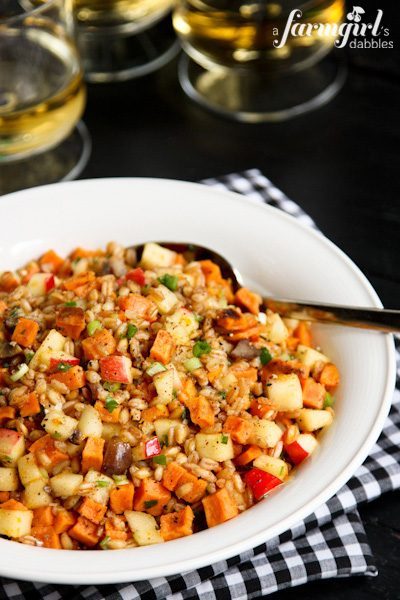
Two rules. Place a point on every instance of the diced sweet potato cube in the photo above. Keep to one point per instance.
(239, 428)
(219, 507)
(177, 524)
(151, 497)
(47, 535)
(121, 498)
(107, 416)
(94, 511)
(29, 405)
(248, 456)
(92, 455)
(6, 413)
(85, 532)
(163, 347)
(172, 474)
(74, 378)
(201, 411)
(25, 332)
(313, 394)
(249, 300)
(99, 345)
(329, 376)
(63, 521)
(50, 262)
(43, 516)
(70, 321)
(113, 532)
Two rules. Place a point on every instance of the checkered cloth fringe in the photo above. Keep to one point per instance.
(329, 543)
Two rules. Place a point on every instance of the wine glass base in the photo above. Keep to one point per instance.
(63, 162)
(254, 97)
(117, 54)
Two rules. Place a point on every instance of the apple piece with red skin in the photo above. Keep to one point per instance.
(12, 447)
(62, 359)
(41, 283)
(152, 447)
(116, 369)
(300, 449)
(136, 275)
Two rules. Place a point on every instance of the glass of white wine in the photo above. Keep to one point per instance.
(234, 63)
(42, 95)
(123, 39)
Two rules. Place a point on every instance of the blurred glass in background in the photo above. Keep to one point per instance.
(234, 64)
(123, 39)
(42, 95)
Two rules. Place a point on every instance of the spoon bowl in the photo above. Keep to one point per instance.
(379, 319)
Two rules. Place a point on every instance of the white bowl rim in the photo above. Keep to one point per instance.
(73, 572)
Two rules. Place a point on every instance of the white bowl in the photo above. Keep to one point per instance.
(270, 249)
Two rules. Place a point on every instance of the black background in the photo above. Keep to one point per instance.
(340, 163)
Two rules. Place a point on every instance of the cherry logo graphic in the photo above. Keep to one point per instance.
(356, 14)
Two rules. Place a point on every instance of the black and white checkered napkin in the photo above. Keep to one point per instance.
(329, 543)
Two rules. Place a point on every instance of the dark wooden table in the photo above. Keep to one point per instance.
(340, 163)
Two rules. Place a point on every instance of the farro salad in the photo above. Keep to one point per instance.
(141, 402)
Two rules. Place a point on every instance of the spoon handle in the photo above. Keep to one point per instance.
(379, 319)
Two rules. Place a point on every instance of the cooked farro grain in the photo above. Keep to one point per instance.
(160, 388)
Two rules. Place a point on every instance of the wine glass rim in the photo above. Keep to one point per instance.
(27, 13)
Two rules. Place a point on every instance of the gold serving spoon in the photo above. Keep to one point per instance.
(379, 319)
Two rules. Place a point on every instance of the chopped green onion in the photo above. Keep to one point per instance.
(57, 435)
(184, 413)
(201, 348)
(281, 471)
(69, 303)
(170, 281)
(161, 459)
(224, 439)
(111, 404)
(150, 503)
(93, 326)
(164, 441)
(199, 318)
(265, 356)
(102, 483)
(120, 479)
(104, 543)
(155, 368)
(111, 387)
(222, 394)
(20, 372)
(62, 366)
(131, 331)
(28, 356)
(328, 400)
(191, 364)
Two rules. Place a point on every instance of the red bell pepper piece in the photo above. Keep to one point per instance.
(50, 283)
(260, 482)
(152, 448)
(137, 275)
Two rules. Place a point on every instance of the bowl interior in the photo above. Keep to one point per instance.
(274, 253)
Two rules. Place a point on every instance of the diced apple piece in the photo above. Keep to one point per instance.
(90, 424)
(285, 392)
(143, 527)
(265, 434)
(312, 419)
(28, 469)
(155, 255)
(276, 329)
(59, 425)
(308, 356)
(101, 488)
(217, 446)
(110, 430)
(15, 523)
(35, 495)
(51, 346)
(275, 466)
(116, 369)
(164, 299)
(65, 484)
(162, 426)
(164, 384)
(63, 358)
(299, 450)
(182, 325)
(40, 284)
(9, 480)
(12, 447)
